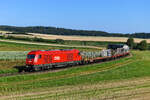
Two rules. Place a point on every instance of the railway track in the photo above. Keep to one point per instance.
(56, 69)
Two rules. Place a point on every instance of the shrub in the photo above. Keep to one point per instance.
(142, 45)
(130, 43)
(61, 41)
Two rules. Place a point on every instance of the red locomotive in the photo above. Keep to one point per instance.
(42, 59)
(46, 59)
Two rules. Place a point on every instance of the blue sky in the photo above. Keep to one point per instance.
(125, 16)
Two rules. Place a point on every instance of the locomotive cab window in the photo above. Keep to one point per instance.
(31, 56)
(40, 56)
(79, 53)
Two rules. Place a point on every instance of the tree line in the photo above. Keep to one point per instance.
(63, 31)
(143, 45)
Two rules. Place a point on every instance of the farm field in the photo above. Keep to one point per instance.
(85, 38)
(9, 45)
(79, 38)
(124, 79)
(69, 44)
(5, 32)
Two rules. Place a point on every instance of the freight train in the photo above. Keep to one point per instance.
(46, 59)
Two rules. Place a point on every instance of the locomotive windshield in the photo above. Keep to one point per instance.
(31, 56)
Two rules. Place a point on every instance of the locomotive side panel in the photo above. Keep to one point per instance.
(49, 59)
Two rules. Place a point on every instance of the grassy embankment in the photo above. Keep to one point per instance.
(14, 54)
(113, 79)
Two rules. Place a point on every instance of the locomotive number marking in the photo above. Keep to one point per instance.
(57, 58)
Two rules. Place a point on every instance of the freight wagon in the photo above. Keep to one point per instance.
(46, 59)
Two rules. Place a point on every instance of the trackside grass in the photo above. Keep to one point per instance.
(87, 82)
(10, 46)
(8, 66)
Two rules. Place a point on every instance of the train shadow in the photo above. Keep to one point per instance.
(20, 68)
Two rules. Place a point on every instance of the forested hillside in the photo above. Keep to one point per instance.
(63, 31)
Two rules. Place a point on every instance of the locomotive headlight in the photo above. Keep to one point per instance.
(35, 59)
(57, 58)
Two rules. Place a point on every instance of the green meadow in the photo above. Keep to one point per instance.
(96, 81)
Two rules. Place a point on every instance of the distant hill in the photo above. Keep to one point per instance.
(63, 31)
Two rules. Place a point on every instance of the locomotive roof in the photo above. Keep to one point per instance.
(53, 51)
